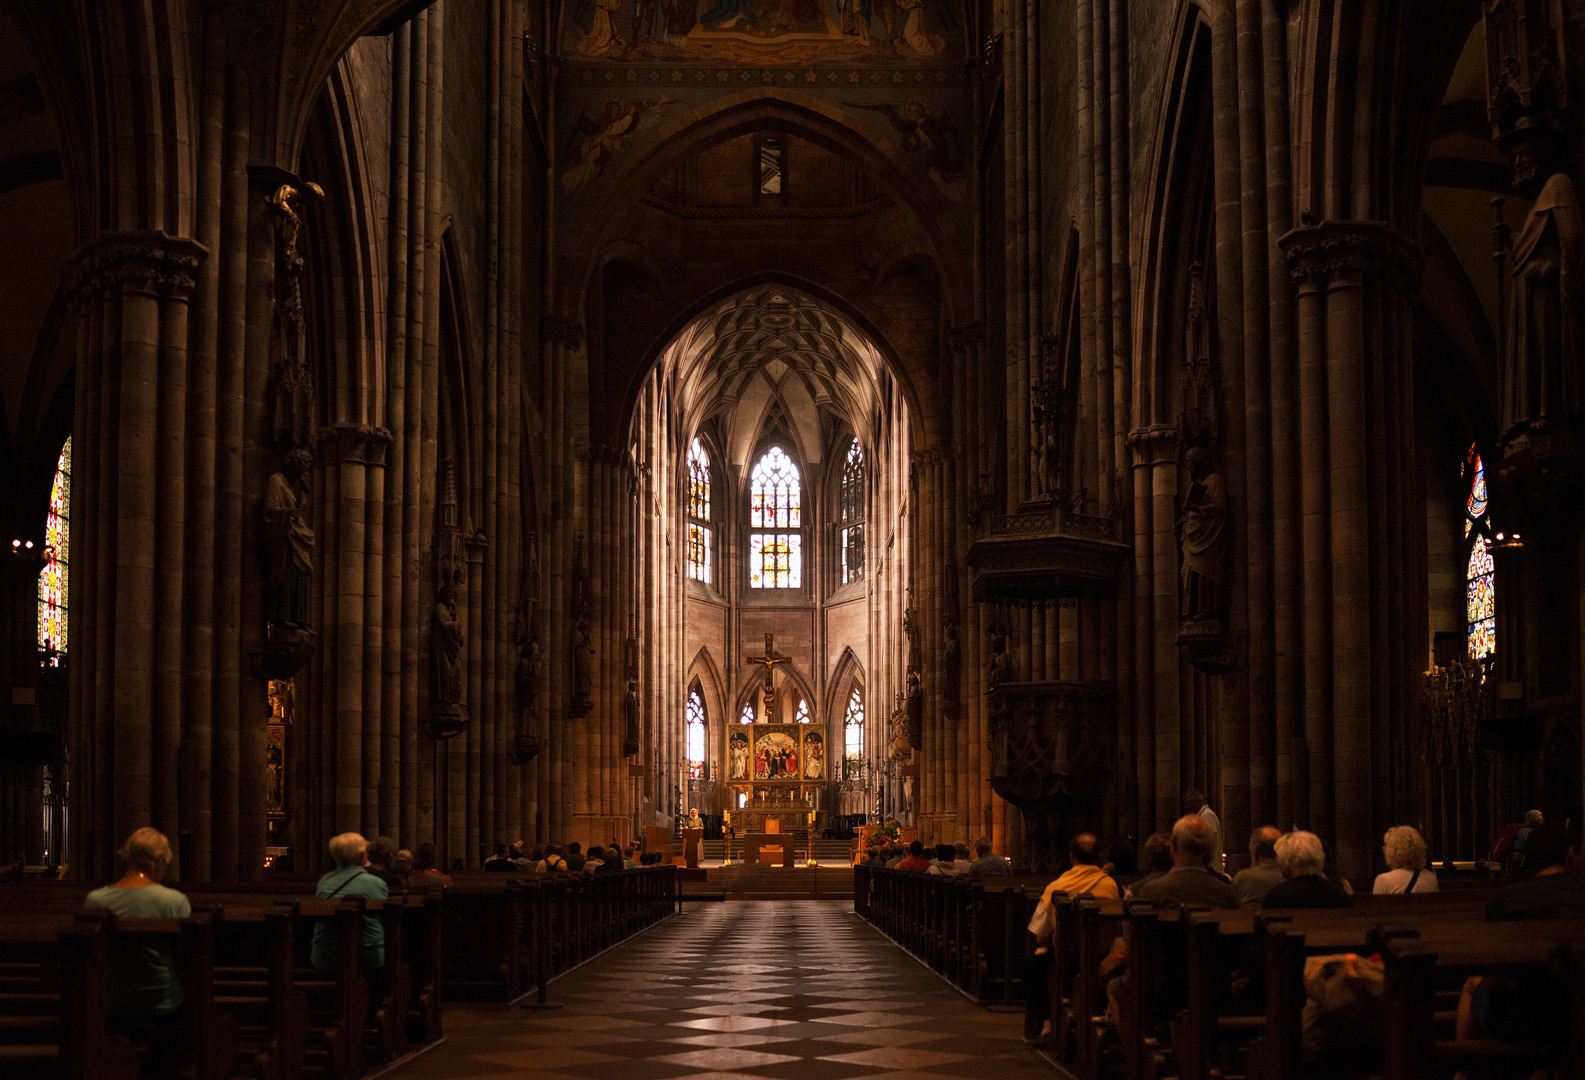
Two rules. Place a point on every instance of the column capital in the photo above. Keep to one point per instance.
(1154, 444)
(361, 443)
(150, 261)
(1371, 249)
(556, 330)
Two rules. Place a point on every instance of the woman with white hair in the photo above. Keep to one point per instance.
(350, 878)
(1407, 872)
(1302, 860)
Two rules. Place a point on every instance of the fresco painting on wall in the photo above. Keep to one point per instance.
(929, 134)
(776, 756)
(601, 132)
(745, 30)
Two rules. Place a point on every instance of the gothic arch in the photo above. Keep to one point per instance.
(346, 288)
(753, 686)
(847, 673)
(703, 670)
(789, 111)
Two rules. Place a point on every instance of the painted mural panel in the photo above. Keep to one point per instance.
(814, 755)
(737, 752)
(776, 754)
(763, 31)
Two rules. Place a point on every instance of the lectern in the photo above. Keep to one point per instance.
(691, 839)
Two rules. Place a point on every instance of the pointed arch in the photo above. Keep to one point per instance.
(844, 673)
(791, 682)
(703, 670)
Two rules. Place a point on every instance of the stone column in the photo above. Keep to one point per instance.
(132, 290)
(1355, 279)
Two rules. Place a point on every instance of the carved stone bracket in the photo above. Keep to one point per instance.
(152, 262)
(1371, 249)
(361, 444)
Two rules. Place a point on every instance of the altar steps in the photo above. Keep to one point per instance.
(739, 882)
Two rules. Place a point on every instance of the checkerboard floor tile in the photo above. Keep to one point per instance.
(758, 990)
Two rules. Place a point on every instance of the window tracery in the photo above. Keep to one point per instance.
(696, 734)
(853, 732)
(700, 555)
(53, 579)
(1480, 576)
(851, 515)
(776, 516)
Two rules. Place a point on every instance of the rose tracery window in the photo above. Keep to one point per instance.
(700, 557)
(775, 550)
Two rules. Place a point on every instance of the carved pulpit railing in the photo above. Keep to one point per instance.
(1047, 553)
(1051, 755)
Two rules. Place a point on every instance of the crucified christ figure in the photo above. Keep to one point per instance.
(770, 660)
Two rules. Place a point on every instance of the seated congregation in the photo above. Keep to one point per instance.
(294, 976)
(1175, 968)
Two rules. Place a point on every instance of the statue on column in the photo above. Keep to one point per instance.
(1541, 358)
(997, 665)
(289, 547)
(445, 647)
(1202, 536)
(630, 707)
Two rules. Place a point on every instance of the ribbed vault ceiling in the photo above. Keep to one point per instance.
(770, 345)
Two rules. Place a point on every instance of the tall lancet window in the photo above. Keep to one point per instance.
(801, 714)
(696, 734)
(851, 515)
(57, 556)
(700, 561)
(1481, 572)
(853, 731)
(775, 546)
(748, 714)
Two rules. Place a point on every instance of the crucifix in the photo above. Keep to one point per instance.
(770, 660)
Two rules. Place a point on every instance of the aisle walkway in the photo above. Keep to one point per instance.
(793, 990)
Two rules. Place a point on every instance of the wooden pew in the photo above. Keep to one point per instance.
(271, 1013)
(54, 1003)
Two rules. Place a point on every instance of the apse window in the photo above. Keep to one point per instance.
(747, 716)
(57, 552)
(1481, 571)
(851, 515)
(775, 547)
(771, 165)
(801, 714)
(696, 730)
(853, 729)
(700, 559)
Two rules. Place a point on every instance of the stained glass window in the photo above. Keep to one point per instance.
(853, 731)
(57, 552)
(775, 558)
(852, 515)
(801, 713)
(1481, 572)
(696, 733)
(699, 548)
(747, 716)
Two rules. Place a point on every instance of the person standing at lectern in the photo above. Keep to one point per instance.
(694, 820)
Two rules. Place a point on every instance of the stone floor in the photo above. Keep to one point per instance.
(794, 990)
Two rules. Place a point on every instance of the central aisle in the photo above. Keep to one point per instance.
(801, 990)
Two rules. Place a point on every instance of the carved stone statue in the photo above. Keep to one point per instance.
(529, 665)
(997, 664)
(582, 666)
(916, 656)
(445, 647)
(1202, 535)
(949, 660)
(1541, 358)
(915, 706)
(630, 707)
(289, 544)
